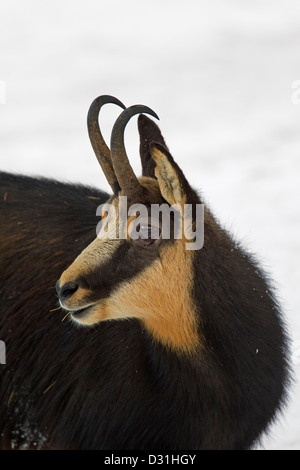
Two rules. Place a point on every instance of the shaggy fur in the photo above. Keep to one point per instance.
(114, 386)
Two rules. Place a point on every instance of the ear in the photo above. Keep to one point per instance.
(149, 132)
(172, 182)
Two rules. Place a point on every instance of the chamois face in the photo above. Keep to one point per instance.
(145, 276)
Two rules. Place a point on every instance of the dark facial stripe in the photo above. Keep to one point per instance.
(127, 261)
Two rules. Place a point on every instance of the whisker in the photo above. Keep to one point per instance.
(66, 316)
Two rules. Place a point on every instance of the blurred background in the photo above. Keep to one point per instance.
(224, 78)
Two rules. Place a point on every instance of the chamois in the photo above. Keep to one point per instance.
(185, 349)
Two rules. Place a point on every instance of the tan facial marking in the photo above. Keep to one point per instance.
(96, 253)
(160, 297)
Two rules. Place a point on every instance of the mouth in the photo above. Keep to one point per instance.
(80, 312)
(89, 315)
(86, 315)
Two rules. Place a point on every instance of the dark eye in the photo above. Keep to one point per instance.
(148, 234)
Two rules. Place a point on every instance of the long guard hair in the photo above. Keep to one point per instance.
(184, 349)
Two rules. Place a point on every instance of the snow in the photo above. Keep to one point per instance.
(224, 79)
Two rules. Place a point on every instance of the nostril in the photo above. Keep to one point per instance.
(66, 290)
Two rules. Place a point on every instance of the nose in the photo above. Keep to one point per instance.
(66, 290)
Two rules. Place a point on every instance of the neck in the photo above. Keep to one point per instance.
(175, 330)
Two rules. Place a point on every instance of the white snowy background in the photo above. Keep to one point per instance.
(221, 74)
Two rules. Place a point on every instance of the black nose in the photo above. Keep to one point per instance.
(66, 290)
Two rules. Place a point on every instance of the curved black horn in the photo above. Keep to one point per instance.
(101, 150)
(123, 170)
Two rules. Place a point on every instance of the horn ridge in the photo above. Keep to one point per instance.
(123, 170)
(100, 148)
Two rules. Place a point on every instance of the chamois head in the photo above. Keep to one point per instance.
(131, 270)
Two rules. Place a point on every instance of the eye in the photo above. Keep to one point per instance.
(148, 234)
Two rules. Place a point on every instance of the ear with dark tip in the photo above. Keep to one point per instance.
(149, 132)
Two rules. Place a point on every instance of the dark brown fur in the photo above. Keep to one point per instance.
(116, 385)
